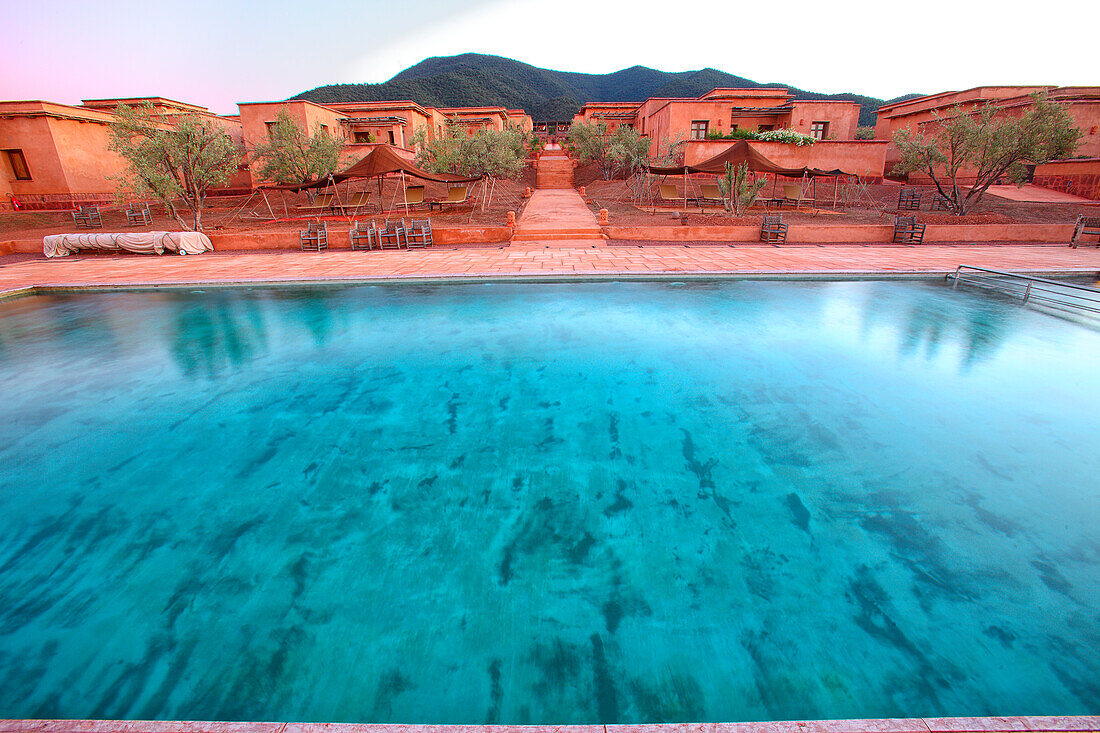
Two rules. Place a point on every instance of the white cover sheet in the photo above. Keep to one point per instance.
(184, 243)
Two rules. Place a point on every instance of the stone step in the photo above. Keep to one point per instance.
(552, 236)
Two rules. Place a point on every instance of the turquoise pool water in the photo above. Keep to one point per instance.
(536, 503)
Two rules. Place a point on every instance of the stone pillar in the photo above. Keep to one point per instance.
(603, 218)
(512, 219)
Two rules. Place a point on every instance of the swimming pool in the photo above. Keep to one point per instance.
(547, 503)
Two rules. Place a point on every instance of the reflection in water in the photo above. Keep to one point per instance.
(214, 333)
(547, 503)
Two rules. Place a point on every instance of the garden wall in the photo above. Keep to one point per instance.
(1080, 177)
(866, 158)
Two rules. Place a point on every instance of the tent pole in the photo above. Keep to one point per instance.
(405, 193)
(685, 189)
(273, 217)
(836, 187)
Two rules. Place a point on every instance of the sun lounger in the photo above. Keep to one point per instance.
(418, 233)
(320, 205)
(364, 237)
(792, 194)
(711, 194)
(88, 217)
(138, 216)
(414, 196)
(314, 237)
(353, 205)
(669, 195)
(455, 196)
(907, 230)
(773, 229)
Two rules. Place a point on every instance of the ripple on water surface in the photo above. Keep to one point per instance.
(547, 503)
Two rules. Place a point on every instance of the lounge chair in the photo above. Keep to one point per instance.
(314, 237)
(88, 217)
(455, 195)
(414, 196)
(670, 195)
(792, 194)
(418, 233)
(354, 203)
(773, 229)
(939, 202)
(392, 235)
(1086, 225)
(138, 217)
(711, 194)
(320, 205)
(907, 230)
(909, 199)
(364, 238)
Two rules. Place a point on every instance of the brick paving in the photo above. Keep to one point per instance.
(559, 258)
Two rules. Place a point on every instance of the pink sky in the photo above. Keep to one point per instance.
(219, 53)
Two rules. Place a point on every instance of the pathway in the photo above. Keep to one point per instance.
(539, 259)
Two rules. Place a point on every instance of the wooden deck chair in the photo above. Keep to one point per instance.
(792, 194)
(392, 235)
(907, 230)
(138, 216)
(773, 229)
(909, 199)
(1086, 225)
(419, 233)
(364, 237)
(88, 217)
(314, 237)
(414, 196)
(455, 195)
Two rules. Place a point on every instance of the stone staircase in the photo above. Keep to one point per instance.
(554, 170)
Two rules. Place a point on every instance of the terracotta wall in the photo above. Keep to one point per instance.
(32, 136)
(843, 118)
(1079, 177)
(863, 157)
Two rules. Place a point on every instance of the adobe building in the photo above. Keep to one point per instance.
(690, 122)
(1079, 175)
(57, 155)
(722, 111)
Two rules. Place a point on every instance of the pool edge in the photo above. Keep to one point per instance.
(1051, 724)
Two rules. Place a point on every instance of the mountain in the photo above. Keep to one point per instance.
(471, 80)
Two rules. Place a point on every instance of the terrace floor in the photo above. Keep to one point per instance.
(540, 259)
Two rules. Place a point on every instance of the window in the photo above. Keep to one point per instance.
(699, 129)
(270, 130)
(393, 140)
(765, 128)
(18, 165)
(818, 130)
(363, 137)
(324, 129)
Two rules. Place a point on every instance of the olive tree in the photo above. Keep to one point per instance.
(491, 153)
(179, 161)
(986, 145)
(625, 149)
(290, 155)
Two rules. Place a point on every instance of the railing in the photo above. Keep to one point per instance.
(1052, 294)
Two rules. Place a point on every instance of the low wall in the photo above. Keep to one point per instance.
(858, 234)
(865, 158)
(1080, 177)
(338, 238)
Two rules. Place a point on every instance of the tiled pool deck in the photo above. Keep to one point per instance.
(536, 259)
(910, 725)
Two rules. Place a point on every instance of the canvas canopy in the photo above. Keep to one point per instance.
(741, 152)
(381, 161)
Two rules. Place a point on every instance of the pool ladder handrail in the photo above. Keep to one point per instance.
(1031, 288)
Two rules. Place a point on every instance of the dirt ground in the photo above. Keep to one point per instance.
(238, 214)
(871, 204)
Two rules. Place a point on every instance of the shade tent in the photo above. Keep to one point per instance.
(741, 152)
(381, 161)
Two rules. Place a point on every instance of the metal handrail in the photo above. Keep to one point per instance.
(1031, 289)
